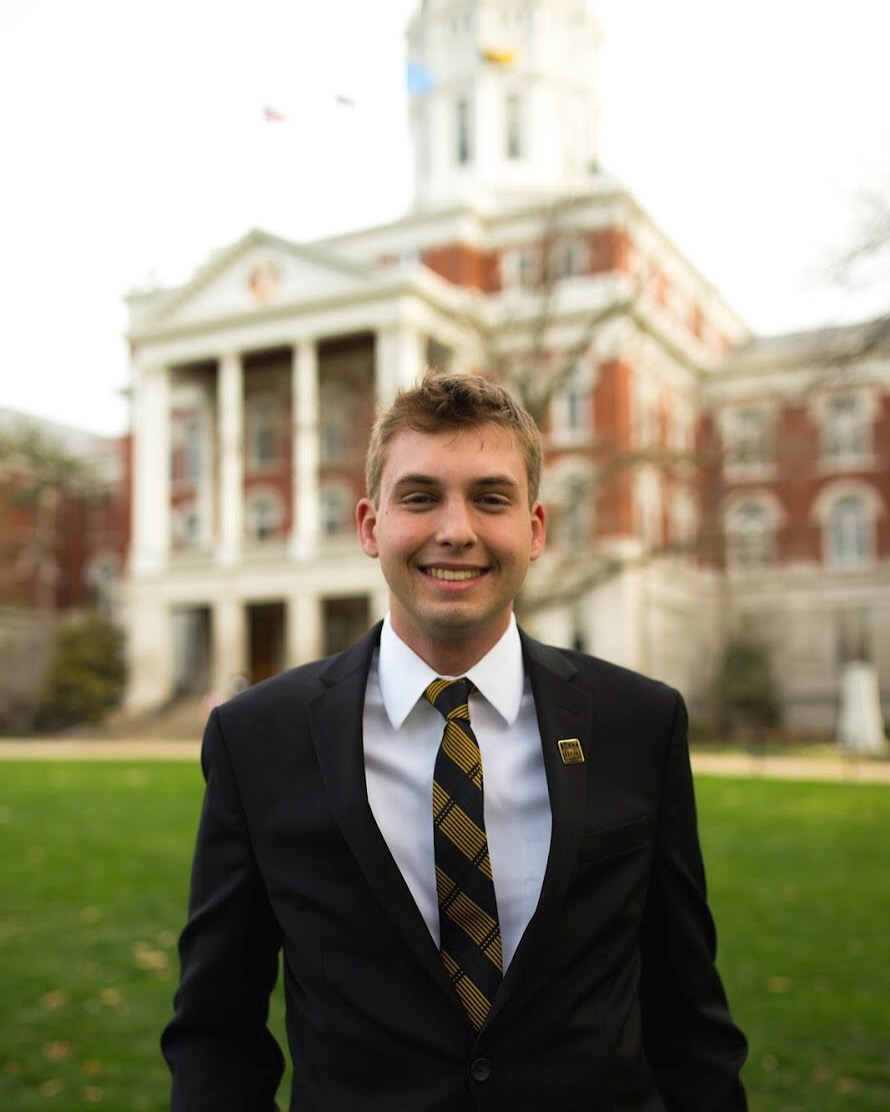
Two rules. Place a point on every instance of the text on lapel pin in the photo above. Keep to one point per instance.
(570, 750)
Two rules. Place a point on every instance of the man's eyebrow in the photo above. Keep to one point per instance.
(496, 481)
(416, 480)
(482, 481)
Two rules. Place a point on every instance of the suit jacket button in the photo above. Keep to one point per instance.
(480, 1070)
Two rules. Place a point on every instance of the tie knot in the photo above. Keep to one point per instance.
(451, 697)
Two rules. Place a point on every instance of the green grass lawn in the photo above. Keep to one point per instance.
(93, 885)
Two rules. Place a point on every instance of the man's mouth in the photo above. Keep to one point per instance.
(454, 575)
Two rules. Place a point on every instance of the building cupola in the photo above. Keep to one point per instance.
(503, 100)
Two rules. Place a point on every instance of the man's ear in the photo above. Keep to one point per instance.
(366, 526)
(539, 530)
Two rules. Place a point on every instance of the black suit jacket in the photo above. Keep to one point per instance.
(612, 1002)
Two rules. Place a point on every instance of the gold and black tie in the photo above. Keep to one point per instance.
(470, 935)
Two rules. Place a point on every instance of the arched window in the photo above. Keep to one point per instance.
(265, 514)
(848, 532)
(336, 511)
(750, 536)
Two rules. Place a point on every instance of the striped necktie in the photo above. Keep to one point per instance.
(470, 936)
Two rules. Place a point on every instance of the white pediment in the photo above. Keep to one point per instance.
(258, 274)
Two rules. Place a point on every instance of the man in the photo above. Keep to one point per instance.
(534, 938)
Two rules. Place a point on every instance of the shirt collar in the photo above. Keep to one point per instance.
(499, 675)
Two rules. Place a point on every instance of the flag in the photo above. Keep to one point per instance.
(272, 116)
(419, 80)
(498, 56)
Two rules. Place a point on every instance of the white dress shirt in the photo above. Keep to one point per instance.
(402, 732)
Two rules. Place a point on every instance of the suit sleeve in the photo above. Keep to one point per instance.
(221, 1053)
(693, 1046)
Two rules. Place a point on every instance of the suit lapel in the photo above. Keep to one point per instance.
(335, 721)
(564, 711)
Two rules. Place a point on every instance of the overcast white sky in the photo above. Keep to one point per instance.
(133, 145)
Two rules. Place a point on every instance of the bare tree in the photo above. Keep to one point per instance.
(864, 264)
(37, 473)
(533, 343)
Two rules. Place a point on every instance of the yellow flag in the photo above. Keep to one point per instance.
(498, 56)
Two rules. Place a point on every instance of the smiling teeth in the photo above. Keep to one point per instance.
(451, 576)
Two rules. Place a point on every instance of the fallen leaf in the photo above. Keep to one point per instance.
(54, 1000)
(147, 957)
(57, 1051)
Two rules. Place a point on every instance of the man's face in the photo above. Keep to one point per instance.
(454, 534)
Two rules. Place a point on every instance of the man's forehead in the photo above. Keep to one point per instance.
(491, 449)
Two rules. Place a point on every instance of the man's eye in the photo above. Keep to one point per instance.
(493, 500)
(417, 499)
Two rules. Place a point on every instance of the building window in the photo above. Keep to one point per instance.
(336, 511)
(187, 456)
(571, 411)
(264, 516)
(750, 439)
(513, 125)
(845, 431)
(750, 536)
(187, 527)
(194, 452)
(464, 149)
(649, 507)
(645, 415)
(681, 427)
(848, 533)
(264, 435)
(568, 260)
(334, 434)
(528, 271)
(684, 518)
(575, 519)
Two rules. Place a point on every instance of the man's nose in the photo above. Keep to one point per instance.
(455, 526)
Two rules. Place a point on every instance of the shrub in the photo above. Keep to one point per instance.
(745, 691)
(86, 674)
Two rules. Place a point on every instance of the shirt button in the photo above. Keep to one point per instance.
(480, 1070)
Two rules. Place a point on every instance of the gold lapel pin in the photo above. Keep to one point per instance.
(571, 752)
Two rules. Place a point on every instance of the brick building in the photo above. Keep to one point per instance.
(702, 482)
(64, 534)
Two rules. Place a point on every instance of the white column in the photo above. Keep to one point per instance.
(230, 439)
(400, 359)
(229, 640)
(306, 452)
(151, 470)
(303, 628)
(149, 649)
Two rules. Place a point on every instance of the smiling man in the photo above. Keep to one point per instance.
(477, 853)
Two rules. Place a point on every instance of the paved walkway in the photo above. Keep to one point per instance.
(830, 766)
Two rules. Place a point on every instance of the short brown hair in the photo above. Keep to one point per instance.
(441, 402)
